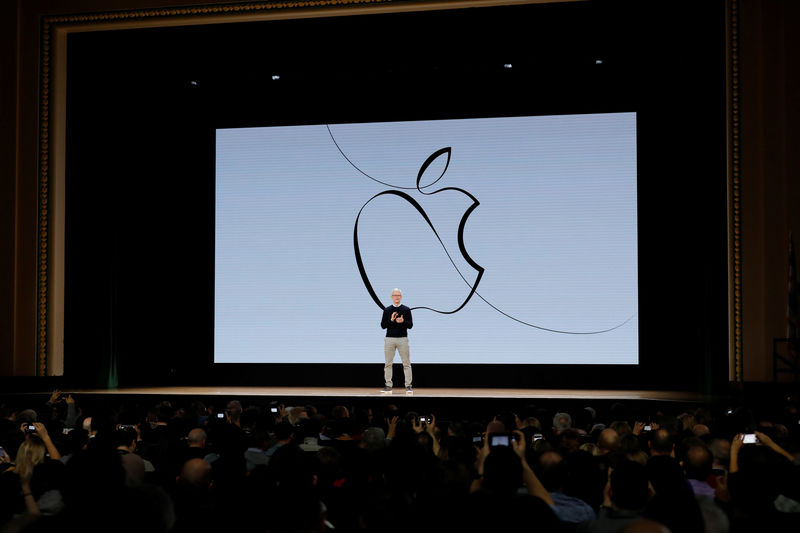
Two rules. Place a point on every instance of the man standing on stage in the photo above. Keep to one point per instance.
(396, 321)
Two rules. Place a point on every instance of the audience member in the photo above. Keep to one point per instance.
(368, 469)
(697, 464)
(626, 496)
(553, 474)
(561, 422)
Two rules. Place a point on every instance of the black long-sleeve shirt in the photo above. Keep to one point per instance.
(393, 329)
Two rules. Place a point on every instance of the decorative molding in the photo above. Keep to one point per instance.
(201, 11)
(51, 24)
(44, 182)
(734, 196)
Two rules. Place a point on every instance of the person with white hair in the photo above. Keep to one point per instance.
(561, 423)
(396, 321)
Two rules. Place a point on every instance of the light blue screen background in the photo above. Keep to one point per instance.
(556, 231)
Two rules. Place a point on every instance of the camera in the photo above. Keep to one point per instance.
(749, 438)
(30, 428)
(424, 420)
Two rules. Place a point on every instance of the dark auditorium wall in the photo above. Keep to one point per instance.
(770, 114)
(769, 107)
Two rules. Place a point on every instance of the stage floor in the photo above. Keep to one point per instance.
(374, 392)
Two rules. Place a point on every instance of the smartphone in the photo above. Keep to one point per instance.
(498, 439)
(126, 426)
(273, 409)
(648, 428)
(30, 428)
(537, 436)
(502, 439)
(220, 415)
(749, 438)
(3, 452)
(66, 431)
(477, 439)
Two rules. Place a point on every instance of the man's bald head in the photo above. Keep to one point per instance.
(550, 458)
(495, 426)
(661, 442)
(196, 472)
(699, 461)
(608, 440)
(197, 438)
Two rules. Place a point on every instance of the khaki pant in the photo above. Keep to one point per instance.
(401, 345)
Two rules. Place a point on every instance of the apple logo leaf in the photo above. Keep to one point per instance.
(433, 157)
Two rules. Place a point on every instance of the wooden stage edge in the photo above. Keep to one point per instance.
(374, 392)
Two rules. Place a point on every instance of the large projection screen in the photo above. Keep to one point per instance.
(513, 239)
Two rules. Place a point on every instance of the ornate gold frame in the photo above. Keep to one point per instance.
(49, 358)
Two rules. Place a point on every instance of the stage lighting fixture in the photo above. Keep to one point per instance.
(275, 77)
(507, 65)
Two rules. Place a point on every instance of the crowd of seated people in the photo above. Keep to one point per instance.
(175, 466)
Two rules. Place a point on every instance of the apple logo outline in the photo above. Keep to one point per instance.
(462, 248)
(462, 224)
